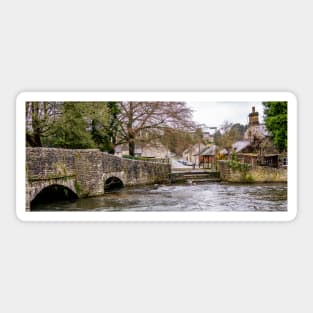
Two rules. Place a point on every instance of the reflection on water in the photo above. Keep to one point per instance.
(205, 197)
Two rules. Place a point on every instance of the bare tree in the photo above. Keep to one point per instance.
(228, 134)
(145, 120)
(39, 118)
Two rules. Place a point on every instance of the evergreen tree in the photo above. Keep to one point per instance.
(72, 124)
(275, 116)
(105, 127)
(71, 129)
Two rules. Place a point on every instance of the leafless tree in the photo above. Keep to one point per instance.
(39, 118)
(145, 120)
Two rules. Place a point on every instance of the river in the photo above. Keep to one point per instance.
(203, 197)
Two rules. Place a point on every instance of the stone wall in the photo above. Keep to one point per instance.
(46, 167)
(43, 163)
(89, 172)
(257, 174)
(85, 171)
(136, 172)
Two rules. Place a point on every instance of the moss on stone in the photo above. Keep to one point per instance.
(249, 178)
(78, 187)
(60, 168)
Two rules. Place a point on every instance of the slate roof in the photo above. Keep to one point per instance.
(210, 151)
(201, 151)
(240, 145)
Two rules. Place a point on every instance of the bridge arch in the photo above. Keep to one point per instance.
(56, 190)
(113, 180)
(39, 188)
(53, 192)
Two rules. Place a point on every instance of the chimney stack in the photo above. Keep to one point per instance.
(253, 117)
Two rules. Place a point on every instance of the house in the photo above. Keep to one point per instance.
(245, 152)
(122, 150)
(257, 147)
(155, 151)
(208, 134)
(208, 157)
(148, 150)
(192, 153)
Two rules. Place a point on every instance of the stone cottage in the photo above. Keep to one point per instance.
(192, 153)
(148, 150)
(257, 147)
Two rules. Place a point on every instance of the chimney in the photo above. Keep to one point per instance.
(253, 117)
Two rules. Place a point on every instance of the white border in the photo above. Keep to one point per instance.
(289, 215)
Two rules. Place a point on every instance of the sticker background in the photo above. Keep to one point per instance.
(136, 45)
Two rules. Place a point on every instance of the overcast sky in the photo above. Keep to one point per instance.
(214, 114)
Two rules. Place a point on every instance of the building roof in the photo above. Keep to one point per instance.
(194, 149)
(202, 149)
(210, 151)
(240, 145)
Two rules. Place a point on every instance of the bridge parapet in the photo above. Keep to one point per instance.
(44, 163)
(136, 171)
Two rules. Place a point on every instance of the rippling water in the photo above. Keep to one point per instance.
(205, 197)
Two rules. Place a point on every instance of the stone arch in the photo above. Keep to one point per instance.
(54, 192)
(38, 186)
(113, 180)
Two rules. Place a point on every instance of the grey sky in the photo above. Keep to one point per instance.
(214, 114)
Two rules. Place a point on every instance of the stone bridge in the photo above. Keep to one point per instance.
(86, 172)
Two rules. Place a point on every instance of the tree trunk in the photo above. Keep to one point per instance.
(30, 140)
(131, 133)
(131, 146)
(36, 125)
(37, 138)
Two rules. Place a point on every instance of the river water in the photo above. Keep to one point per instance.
(203, 197)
